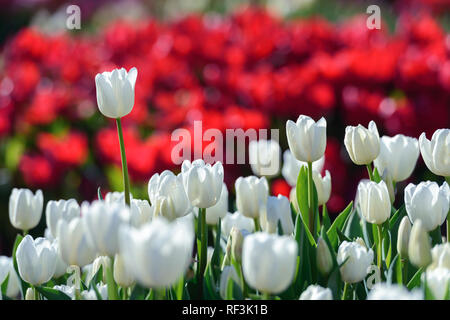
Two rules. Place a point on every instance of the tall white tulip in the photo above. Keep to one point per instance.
(102, 222)
(398, 156)
(363, 145)
(373, 201)
(419, 247)
(404, 232)
(440, 255)
(238, 221)
(436, 152)
(166, 192)
(316, 292)
(251, 195)
(292, 166)
(323, 186)
(140, 212)
(202, 182)
(385, 291)
(277, 209)
(7, 268)
(359, 259)
(427, 202)
(158, 253)
(61, 209)
(122, 275)
(307, 139)
(115, 92)
(61, 265)
(73, 244)
(264, 157)
(438, 281)
(36, 260)
(25, 209)
(220, 209)
(269, 261)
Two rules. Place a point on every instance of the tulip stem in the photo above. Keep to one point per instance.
(344, 294)
(380, 244)
(405, 271)
(112, 287)
(36, 294)
(202, 254)
(266, 296)
(257, 226)
(126, 181)
(311, 198)
(369, 170)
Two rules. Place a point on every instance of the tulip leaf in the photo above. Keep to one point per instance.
(178, 288)
(99, 194)
(398, 270)
(52, 294)
(24, 286)
(303, 272)
(325, 217)
(301, 191)
(94, 281)
(415, 280)
(215, 259)
(138, 293)
(338, 224)
(396, 217)
(352, 227)
(4, 285)
(391, 269)
(436, 237)
(209, 286)
(376, 175)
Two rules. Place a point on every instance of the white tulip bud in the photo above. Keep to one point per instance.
(25, 209)
(436, 153)
(398, 156)
(373, 201)
(264, 157)
(307, 139)
(122, 275)
(427, 202)
(323, 186)
(61, 209)
(292, 166)
(316, 292)
(404, 231)
(358, 259)
(419, 248)
(278, 209)
(269, 261)
(115, 92)
(202, 182)
(324, 260)
(36, 260)
(237, 241)
(251, 195)
(438, 281)
(363, 145)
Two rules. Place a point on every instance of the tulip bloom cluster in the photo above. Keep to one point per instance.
(271, 247)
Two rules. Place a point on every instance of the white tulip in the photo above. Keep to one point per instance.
(373, 201)
(398, 156)
(438, 281)
(92, 295)
(92, 269)
(67, 290)
(36, 260)
(115, 92)
(419, 248)
(7, 267)
(277, 209)
(220, 209)
(404, 232)
(316, 292)
(363, 145)
(440, 256)
(264, 157)
(61, 265)
(385, 291)
(427, 202)
(436, 153)
(61, 209)
(323, 186)
(238, 221)
(75, 249)
(324, 261)
(269, 261)
(102, 222)
(122, 274)
(140, 212)
(167, 194)
(307, 139)
(202, 182)
(229, 272)
(251, 195)
(25, 209)
(292, 166)
(359, 259)
(116, 196)
(158, 253)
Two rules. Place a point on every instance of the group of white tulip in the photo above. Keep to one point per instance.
(259, 249)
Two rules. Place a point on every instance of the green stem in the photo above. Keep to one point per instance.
(310, 198)
(344, 294)
(124, 293)
(369, 170)
(405, 271)
(112, 286)
(202, 254)
(379, 247)
(36, 294)
(126, 181)
(266, 296)
(257, 225)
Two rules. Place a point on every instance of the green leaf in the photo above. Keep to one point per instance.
(391, 269)
(4, 286)
(415, 280)
(52, 294)
(398, 270)
(94, 281)
(325, 217)
(301, 191)
(215, 259)
(376, 175)
(337, 224)
(99, 194)
(211, 291)
(436, 237)
(24, 286)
